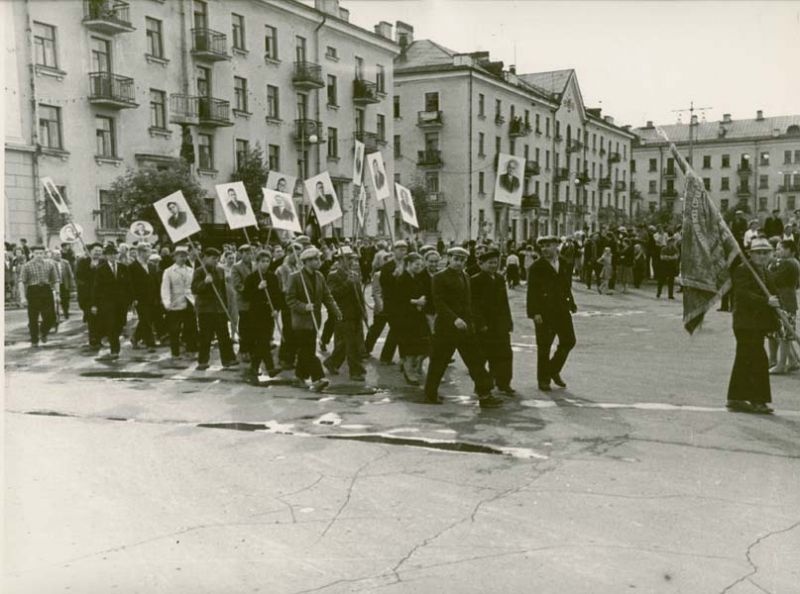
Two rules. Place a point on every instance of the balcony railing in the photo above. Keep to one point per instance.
(209, 45)
(584, 178)
(614, 157)
(558, 138)
(429, 158)
(304, 129)
(532, 168)
(604, 183)
(531, 201)
(562, 174)
(111, 90)
(670, 172)
(602, 152)
(669, 193)
(519, 127)
(498, 119)
(107, 16)
(575, 146)
(789, 187)
(434, 200)
(370, 140)
(365, 92)
(620, 186)
(183, 109)
(307, 76)
(213, 112)
(744, 168)
(429, 119)
(743, 191)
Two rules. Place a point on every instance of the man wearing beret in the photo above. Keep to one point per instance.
(454, 330)
(550, 305)
(208, 286)
(111, 296)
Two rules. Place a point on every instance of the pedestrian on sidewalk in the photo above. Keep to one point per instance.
(208, 286)
(38, 281)
(606, 263)
(668, 268)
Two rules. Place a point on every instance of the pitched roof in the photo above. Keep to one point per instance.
(708, 131)
(553, 82)
(424, 52)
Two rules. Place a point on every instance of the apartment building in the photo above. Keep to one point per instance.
(454, 113)
(103, 85)
(752, 164)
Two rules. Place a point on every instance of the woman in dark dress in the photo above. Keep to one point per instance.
(414, 336)
(753, 318)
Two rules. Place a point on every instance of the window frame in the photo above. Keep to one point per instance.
(209, 164)
(154, 34)
(237, 152)
(40, 42)
(50, 124)
(332, 91)
(109, 137)
(271, 43)
(273, 101)
(154, 109)
(274, 158)
(333, 143)
(237, 23)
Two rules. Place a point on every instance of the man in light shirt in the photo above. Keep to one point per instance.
(177, 298)
(751, 234)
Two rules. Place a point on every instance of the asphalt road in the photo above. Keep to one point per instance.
(137, 477)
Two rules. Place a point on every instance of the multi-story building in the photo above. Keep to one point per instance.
(753, 164)
(454, 113)
(102, 85)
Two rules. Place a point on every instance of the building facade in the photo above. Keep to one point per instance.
(751, 164)
(103, 85)
(454, 113)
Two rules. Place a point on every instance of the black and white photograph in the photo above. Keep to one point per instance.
(509, 184)
(236, 205)
(280, 207)
(442, 297)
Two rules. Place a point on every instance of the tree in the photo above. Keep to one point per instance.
(252, 171)
(135, 192)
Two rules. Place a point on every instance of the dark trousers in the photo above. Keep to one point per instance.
(512, 275)
(496, 348)
(245, 330)
(40, 306)
(64, 297)
(214, 324)
(328, 330)
(348, 344)
(112, 320)
(638, 273)
(750, 374)
(288, 350)
(442, 348)
(308, 366)
(182, 322)
(666, 278)
(93, 326)
(145, 326)
(379, 322)
(557, 325)
(261, 348)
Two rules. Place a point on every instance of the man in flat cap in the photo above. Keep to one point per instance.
(208, 286)
(493, 320)
(111, 298)
(454, 329)
(178, 302)
(390, 272)
(38, 280)
(239, 273)
(345, 286)
(550, 305)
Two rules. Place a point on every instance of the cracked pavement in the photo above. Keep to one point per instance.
(130, 477)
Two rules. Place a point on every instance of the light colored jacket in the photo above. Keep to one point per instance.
(176, 287)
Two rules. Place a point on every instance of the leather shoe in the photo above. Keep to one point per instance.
(545, 387)
(490, 402)
(508, 391)
(432, 400)
(558, 381)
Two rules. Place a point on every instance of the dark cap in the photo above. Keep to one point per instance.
(110, 249)
(211, 251)
(488, 255)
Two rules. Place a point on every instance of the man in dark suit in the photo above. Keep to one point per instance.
(345, 285)
(550, 305)
(85, 272)
(236, 206)
(509, 181)
(493, 323)
(323, 201)
(773, 226)
(177, 217)
(280, 211)
(454, 330)
(390, 272)
(111, 298)
(146, 290)
(208, 286)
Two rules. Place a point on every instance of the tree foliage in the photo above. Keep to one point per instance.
(252, 171)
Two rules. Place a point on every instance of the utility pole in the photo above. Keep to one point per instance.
(691, 109)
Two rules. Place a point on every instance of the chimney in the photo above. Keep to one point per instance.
(512, 68)
(760, 115)
(609, 120)
(649, 125)
(726, 118)
(384, 29)
(404, 34)
(327, 6)
(694, 120)
(344, 14)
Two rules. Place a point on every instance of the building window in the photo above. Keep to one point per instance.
(237, 32)
(50, 126)
(432, 182)
(333, 143)
(762, 203)
(397, 146)
(797, 156)
(108, 211)
(270, 42)
(205, 151)
(380, 79)
(547, 192)
(707, 183)
(242, 147)
(333, 93)
(155, 42)
(790, 203)
(481, 105)
(764, 159)
(537, 121)
(498, 108)
(359, 63)
(273, 104)
(498, 145)
(431, 101)
(396, 106)
(512, 146)
(706, 161)
(633, 165)
(481, 139)
(381, 128)
(724, 204)
(158, 109)
(725, 183)
(300, 48)
(331, 53)
(104, 133)
(44, 41)
(547, 127)
(653, 163)
(481, 183)
(651, 188)
(547, 159)
(274, 158)
(763, 182)
(240, 94)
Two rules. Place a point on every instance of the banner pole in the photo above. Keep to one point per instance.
(266, 291)
(213, 286)
(305, 290)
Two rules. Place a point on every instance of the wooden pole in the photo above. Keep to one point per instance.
(213, 286)
(305, 290)
(266, 290)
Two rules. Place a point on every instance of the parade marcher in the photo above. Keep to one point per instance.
(592, 250)
(390, 272)
(454, 330)
(111, 297)
(379, 317)
(85, 271)
(784, 274)
(66, 281)
(512, 270)
(262, 289)
(625, 264)
(227, 263)
(145, 290)
(287, 353)
(773, 225)
(668, 268)
(550, 304)
(208, 286)
(307, 292)
(493, 323)
(432, 267)
(178, 302)
(753, 318)
(240, 271)
(344, 282)
(413, 336)
(38, 280)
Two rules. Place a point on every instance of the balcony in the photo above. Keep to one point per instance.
(584, 178)
(789, 188)
(669, 173)
(620, 186)
(108, 17)
(304, 129)
(307, 76)
(562, 175)
(183, 109)
(111, 90)
(209, 45)
(429, 119)
(602, 151)
(370, 140)
(429, 158)
(604, 183)
(365, 92)
(743, 191)
(636, 195)
(531, 201)
(558, 138)
(744, 169)
(673, 193)
(434, 201)
(614, 157)
(498, 119)
(519, 127)
(575, 146)
(559, 208)
(213, 112)
(532, 168)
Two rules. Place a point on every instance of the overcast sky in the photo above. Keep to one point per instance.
(637, 60)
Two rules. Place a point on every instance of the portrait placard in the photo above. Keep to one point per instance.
(280, 207)
(379, 180)
(405, 203)
(510, 174)
(236, 205)
(358, 163)
(176, 216)
(323, 199)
